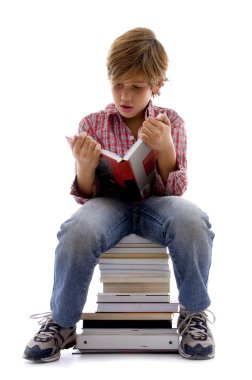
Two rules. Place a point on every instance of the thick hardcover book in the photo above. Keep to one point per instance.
(136, 287)
(127, 316)
(127, 320)
(133, 297)
(116, 260)
(128, 279)
(134, 172)
(138, 250)
(134, 240)
(128, 339)
(127, 323)
(134, 273)
(172, 307)
(132, 267)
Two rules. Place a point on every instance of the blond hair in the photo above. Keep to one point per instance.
(135, 51)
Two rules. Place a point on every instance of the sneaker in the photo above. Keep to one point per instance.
(51, 338)
(196, 340)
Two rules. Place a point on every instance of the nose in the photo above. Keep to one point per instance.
(125, 94)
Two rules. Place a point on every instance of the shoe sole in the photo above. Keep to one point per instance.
(196, 357)
(70, 342)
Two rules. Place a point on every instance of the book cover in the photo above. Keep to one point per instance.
(127, 323)
(136, 241)
(133, 297)
(132, 261)
(128, 339)
(127, 316)
(146, 279)
(132, 267)
(134, 273)
(131, 255)
(117, 307)
(127, 320)
(134, 172)
(136, 287)
(139, 250)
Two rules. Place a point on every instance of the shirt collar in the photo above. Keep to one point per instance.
(112, 110)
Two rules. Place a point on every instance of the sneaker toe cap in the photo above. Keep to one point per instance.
(198, 350)
(35, 353)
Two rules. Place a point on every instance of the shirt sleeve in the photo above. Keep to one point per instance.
(80, 197)
(176, 183)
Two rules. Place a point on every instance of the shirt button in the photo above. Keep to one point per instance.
(132, 138)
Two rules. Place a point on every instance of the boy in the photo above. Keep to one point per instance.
(137, 64)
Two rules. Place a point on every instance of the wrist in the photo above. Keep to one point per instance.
(85, 177)
(167, 146)
(85, 168)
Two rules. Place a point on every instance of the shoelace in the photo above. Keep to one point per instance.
(195, 324)
(47, 330)
(44, 317)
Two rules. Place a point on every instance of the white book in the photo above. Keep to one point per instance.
(115, 307)
(135, 239)
(135, 249)
(133, 267)
(132, 261)
(134, 255)
(136, 287)
(151, 269)
(133, 297)
(136, 274)
(128, 339)
(125, 280)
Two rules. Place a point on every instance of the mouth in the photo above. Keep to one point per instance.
(126, 108)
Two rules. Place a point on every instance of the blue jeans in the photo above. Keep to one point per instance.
(101, 222)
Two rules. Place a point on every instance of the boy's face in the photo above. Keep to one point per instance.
(131, 95)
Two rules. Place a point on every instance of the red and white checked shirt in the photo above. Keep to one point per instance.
(108, 128)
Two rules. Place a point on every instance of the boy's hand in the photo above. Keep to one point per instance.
(156, 133)
(86, 151)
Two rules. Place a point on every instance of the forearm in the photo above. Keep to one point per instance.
(86, 152)
(166, 162)
(85, 178)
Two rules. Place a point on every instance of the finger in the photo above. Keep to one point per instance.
(153, 123)
(97, 150)
(79, 140)
(164, 118)
(145, 135)
(148, 130)
(86, 143)
(149, 124)
(91, 146)
(147, 140)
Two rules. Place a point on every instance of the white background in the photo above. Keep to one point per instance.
(53, 72)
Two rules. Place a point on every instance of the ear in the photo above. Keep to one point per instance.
(156, 88)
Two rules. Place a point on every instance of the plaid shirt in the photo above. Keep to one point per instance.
(108, 128)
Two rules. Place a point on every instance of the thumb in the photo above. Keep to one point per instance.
(164, 118)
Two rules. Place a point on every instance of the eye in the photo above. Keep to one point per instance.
(119, 86)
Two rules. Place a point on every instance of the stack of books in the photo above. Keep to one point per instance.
(134, 311)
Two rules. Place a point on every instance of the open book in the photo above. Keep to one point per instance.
(134, 172)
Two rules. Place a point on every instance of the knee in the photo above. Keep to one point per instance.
(191, 221)
(78, 239)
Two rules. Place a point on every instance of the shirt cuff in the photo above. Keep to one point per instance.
(80, 197)
(176, 183)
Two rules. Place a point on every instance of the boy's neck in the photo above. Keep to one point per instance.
(134, 125)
